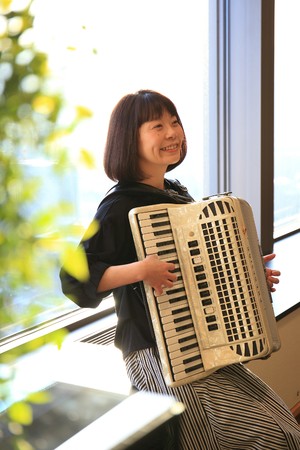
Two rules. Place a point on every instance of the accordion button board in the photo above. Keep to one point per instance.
(219, 311)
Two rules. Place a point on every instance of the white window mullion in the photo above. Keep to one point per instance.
(244, 97)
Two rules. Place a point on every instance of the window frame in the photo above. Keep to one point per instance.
(246, 107)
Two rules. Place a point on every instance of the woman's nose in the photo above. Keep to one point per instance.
(171, 132)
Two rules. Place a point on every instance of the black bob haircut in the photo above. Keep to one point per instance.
(121, 149)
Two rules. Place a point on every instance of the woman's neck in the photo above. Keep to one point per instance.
(158, 183)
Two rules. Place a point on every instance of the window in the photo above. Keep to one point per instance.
(248, 130)
(212, 59)
(246, 125)
(96, 58)
(286, 129)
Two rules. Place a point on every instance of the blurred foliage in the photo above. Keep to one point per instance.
(29, 131)
(30, 239)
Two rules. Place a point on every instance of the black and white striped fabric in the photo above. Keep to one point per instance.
(232, 409)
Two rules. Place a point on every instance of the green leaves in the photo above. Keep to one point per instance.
(87, 159)
(20, 412)
(39, 398)
(75, 263)
(36, 237)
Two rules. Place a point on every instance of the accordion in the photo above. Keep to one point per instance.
(219, 311)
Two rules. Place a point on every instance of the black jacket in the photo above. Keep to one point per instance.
(113, 245)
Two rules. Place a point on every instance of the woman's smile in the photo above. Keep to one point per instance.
(170, 148)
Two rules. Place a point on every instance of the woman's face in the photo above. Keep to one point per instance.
(160, 143)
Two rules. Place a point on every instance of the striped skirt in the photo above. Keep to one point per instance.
(232, 409)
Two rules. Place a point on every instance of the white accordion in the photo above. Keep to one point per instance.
(219, 311)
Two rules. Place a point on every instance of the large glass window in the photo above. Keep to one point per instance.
(286, 129)
(98, 55)
(206, 56)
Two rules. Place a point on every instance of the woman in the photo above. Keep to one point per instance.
(231, 408)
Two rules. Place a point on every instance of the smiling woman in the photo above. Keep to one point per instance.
(160, 146)
(142, 333)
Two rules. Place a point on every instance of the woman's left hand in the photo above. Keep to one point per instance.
(271, 274)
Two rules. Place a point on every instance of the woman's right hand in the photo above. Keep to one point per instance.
(158, 274)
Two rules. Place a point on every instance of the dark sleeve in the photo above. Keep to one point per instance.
(111, 245)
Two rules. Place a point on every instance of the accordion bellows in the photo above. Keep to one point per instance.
(219, 311)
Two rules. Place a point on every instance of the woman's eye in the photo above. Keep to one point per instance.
(175, 122)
